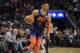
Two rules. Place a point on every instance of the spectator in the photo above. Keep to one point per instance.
(10, 40)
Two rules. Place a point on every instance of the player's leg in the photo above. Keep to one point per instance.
(43, 45)
(47, 45)
(37, 46)
(33, 42)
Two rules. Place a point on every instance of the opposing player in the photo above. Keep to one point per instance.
(39, 19)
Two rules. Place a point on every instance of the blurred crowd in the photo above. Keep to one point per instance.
(14, 33)
(14, 8)
(66, 38)
(15, 39)
(13, 11)
(72, 7)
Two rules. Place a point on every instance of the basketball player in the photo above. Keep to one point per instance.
(39, 19)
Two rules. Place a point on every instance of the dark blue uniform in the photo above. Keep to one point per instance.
(39, 24)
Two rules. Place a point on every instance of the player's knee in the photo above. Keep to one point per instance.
(33, 42)
(38, 45)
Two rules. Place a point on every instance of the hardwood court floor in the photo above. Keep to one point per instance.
(64, 50)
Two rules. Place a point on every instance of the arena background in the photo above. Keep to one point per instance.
(65, 15)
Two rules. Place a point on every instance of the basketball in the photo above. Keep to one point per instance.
(29, 20)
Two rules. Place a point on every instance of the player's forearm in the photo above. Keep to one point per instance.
(32, 15)
(48, 28)
(48, 25)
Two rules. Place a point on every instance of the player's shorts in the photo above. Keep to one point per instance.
(36, 33)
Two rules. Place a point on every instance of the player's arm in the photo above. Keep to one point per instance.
(48, 24)
(48, 27)
(30, 18)
(34, 13)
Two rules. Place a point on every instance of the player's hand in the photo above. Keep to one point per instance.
(48, 35)
(29, 20)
